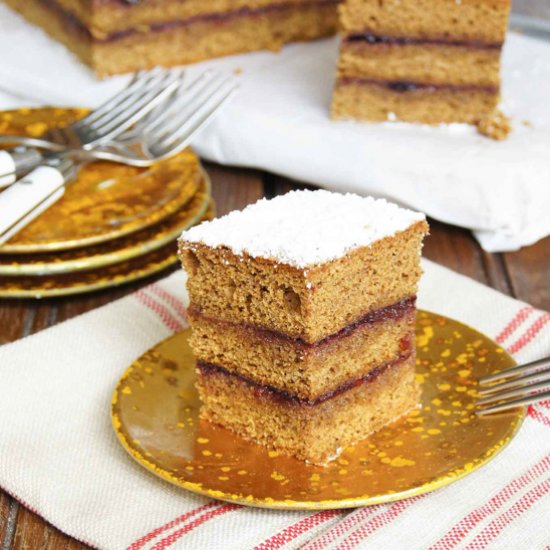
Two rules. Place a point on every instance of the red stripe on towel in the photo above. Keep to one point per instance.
(352, 520)
(176, 535)
(457, 533)
(501, 522)
(535, 414)
(381, 520)
(162, 312)
(155, 532)
(512, 326)
(297, 529)
(172, 300)
(530, 333)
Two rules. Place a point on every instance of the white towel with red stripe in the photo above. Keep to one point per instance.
(60, 457)
(279, 121)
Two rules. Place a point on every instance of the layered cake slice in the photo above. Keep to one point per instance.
(302, 311)
(430, 61)
(115, 36)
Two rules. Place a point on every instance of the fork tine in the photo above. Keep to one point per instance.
(184, 109)
(139, 91)
(199, 109)
(147, 145)
(167, 112)
(514, 372)
(163, 113)
(140, 79)
(139, 108)
(515, 392)
(528, 400)
(515, 382)
(182, 138)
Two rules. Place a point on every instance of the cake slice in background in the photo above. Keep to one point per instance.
(429, 61)
(302, 310)
(117, 36)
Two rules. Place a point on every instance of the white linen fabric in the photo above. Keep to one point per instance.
(59, 455)
(279, 122)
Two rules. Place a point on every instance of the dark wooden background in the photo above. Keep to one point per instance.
(524, 274)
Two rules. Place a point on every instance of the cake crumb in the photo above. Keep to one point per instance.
(496, 126)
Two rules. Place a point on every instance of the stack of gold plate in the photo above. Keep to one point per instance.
(114, 224)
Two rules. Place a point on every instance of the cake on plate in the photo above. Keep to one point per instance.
(429, 61)
(117, 36)
(302, 311)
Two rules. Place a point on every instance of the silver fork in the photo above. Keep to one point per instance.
(514, 387)
(184, 115)
(169, 128)
(146, 91)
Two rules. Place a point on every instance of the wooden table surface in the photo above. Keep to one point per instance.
(524, 274)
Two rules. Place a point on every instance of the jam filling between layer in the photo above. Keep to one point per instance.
(80, 27)
(264, 391)
(403, 86)
(372, 38)
(393, 312)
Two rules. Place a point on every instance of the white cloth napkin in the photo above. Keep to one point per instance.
(279, 122)
(60, 457)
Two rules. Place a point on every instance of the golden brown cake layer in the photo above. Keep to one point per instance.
(188, 41)
(104, 17)
(121, 20)
(420, 62)
(378, 101)
(308, 304)
(480, 20)
(307, 371)
(315, 432)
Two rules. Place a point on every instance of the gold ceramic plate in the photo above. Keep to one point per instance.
(108, 200)
(119, 250)
(89, 281)
(155, 416)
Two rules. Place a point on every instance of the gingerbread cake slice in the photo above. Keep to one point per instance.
(303, 310)
(429, 61)
(116, 36)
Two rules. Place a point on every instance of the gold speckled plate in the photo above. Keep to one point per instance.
(119, 250)
(88, 281)
(107, 200)
(155, 416)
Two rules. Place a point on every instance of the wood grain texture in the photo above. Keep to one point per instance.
(529, 272)
(234, 188)
(33, 533)
(8, 519)
(456, 249)
(525, 274)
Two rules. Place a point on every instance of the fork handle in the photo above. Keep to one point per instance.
(17, 162)
(27, 198)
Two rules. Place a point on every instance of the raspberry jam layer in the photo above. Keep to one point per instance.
(80, 27)
(404, 86)
(389, 313)
(264, 391)
(371, 38)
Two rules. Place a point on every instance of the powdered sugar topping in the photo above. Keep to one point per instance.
(304, 228)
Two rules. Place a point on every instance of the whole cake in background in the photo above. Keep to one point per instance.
(427, 61)
(302, 311)
(117, 36)
(430, 61)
